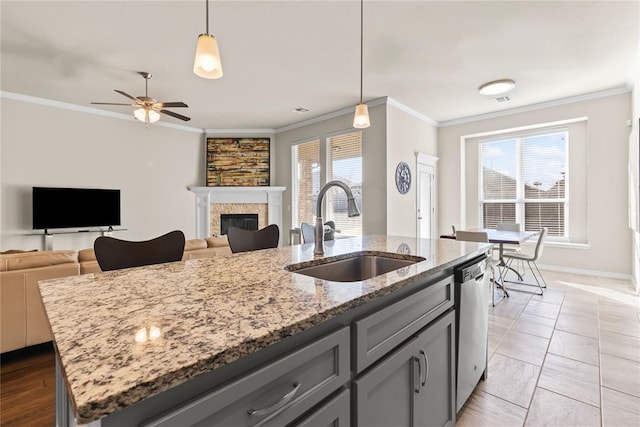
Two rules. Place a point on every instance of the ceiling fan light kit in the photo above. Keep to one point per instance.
(149, 116)
(207, 63)
(361, 117)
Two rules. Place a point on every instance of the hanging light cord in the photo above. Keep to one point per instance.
(207, 8)
(361, 45)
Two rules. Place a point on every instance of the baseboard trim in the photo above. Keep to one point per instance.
(585, 272)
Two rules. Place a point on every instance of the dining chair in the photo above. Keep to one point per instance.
(115, 254)
(530, 259)
(252, 240)
(307, 232)
(509, 226)
(482, 236)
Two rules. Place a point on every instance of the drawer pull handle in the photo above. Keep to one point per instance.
(279, 404)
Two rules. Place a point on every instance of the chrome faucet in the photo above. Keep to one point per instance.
(319, 228)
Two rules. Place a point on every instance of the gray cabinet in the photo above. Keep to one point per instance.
(379, 333)
(273, 395)
(412, 386)
(334, 413)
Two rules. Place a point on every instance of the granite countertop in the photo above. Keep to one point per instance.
(126, 335)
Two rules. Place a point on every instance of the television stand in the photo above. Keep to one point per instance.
(48, 235)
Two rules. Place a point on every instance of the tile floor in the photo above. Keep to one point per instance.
(570, 357)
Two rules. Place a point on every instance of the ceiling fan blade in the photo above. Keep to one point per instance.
(109, 103)
(176, 115)
(125, 94)
(172, 104)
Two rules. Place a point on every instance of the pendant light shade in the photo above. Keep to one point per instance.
(207, 63)
(361, 117)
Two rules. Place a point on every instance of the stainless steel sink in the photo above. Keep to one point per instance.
(355, 267)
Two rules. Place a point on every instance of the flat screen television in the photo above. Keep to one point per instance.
(75, 207)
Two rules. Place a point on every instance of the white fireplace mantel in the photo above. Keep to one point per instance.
(205, 196)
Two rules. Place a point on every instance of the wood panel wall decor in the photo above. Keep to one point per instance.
(237, 162)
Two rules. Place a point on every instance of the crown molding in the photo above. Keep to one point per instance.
(227, 132)
(539, 106)
(90, 110)
(418, 115)
(342, 112)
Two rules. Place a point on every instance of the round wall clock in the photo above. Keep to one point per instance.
(403, 178)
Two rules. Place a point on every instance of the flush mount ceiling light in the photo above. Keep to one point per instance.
(207, 63)
(361, 117)
(497, 87)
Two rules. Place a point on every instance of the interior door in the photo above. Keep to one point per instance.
(426, 201)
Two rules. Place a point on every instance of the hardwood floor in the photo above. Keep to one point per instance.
(27, 387)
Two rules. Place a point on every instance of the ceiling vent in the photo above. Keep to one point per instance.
(503, 99)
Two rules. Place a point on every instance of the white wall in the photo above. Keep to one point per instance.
(46, 146)
(606, 213)
(374, 161)
(635, 117)
(406, 135)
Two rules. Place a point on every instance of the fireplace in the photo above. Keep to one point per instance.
(244, 221)
(211, 202)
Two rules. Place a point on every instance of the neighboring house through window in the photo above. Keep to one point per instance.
(343, 163)
(523, 179)
(306, 181)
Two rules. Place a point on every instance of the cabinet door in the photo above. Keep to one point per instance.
(435, 402)
(384, 395)
(334, 413)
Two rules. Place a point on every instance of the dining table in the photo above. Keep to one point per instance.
(502, 237)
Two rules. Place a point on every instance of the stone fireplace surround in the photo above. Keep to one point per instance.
(217, 200)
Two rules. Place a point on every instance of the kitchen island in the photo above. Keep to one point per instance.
(158, 345)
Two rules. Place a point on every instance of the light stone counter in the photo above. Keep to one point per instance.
(126, 335)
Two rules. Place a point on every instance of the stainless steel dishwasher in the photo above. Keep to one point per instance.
(472, 322)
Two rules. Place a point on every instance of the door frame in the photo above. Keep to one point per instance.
(428, 162)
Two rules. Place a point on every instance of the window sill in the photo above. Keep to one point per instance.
(556, 244)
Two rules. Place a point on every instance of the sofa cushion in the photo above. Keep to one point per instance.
(217, 242)
(194, 244)
(17, 251)
(21, 261)
(86, 255)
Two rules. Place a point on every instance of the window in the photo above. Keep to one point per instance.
(344, 163)
(522, 180)
(306, 182)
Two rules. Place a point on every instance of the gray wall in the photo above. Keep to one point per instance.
(47, 146)
(374, 161)
(607, 156)
(406, 135)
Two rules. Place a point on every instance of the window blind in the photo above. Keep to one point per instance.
(523, 180)
(306, 183)
(344, 163)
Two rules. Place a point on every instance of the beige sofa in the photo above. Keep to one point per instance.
(23, 321)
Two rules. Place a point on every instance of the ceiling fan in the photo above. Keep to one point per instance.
(148, 109)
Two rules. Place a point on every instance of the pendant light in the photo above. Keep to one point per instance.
(361, 117)
(207, 63)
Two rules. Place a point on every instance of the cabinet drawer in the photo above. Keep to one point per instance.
(334, 413)
(384, 330)
(275, 394)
